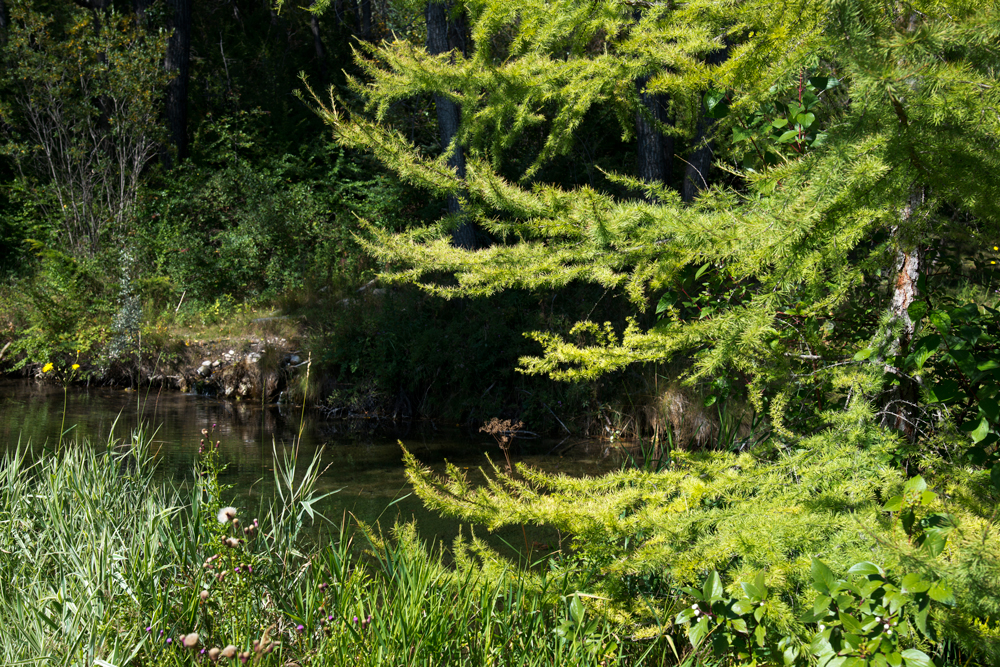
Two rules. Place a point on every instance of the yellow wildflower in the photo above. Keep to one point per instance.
(75, 366)
(47, 367)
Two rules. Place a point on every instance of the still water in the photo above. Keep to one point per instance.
(362, 459)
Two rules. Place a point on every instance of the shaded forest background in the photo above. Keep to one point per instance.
(161, 175)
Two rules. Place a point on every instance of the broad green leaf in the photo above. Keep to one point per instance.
(823, 579)
(698, 631)
(933, 542)
(941, 592)
(751, 590)
(866, 567)
(914, 583)
(917, 310)
(712, 590)
(944, 391)
(989, 408)
(863, 354)
(760, 635)
(850, 624)
(981, 431)
(988, 365)
(916, 658)
(915, 484)
(716, 105)
(668, 299)
(920, 618)
(893, 504)
(576, 609)
(779, 123)
(896, 601)
(805, 119)
(740, 626)
(788, 137)
(940, 320)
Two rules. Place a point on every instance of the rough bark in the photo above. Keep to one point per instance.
(700, 160)
(654, 150)
(900, 408)
(177, 63)
(441, 34)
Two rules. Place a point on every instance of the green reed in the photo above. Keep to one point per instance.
(101, 564)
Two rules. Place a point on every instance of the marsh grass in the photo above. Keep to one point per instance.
(102, 564)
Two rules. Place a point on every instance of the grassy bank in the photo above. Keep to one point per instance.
(102, 565)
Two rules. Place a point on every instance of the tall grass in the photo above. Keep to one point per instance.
(101, 564)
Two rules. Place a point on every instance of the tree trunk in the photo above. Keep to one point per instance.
(318, 45)
(654, 150)
(3, 23)
(700, 160)
(139, 7)
(366, 19)
(177, 62)
(900, 409)
(439, 33)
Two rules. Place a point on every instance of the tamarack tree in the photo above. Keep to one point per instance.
(846, 136)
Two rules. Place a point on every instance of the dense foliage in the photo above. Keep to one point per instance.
(790, 208)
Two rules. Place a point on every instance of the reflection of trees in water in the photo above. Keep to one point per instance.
(365, 429)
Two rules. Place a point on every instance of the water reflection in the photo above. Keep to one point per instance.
(362, 459)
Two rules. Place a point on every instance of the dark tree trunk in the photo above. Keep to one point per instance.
(654, 149)
(177, 63)
(357, 15)
(3, 22)
(440, 34)
(318, 46)
(139, 7)
(700, 160)
(366, 19)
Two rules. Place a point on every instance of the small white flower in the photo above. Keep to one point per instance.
(697, 611)
(761, 604)
(694, 606)
(888, 632)
(822, 627)
(886, 626)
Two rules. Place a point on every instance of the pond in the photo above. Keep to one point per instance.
(362, 459)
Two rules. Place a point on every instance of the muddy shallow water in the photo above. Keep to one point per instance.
(362, 459)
